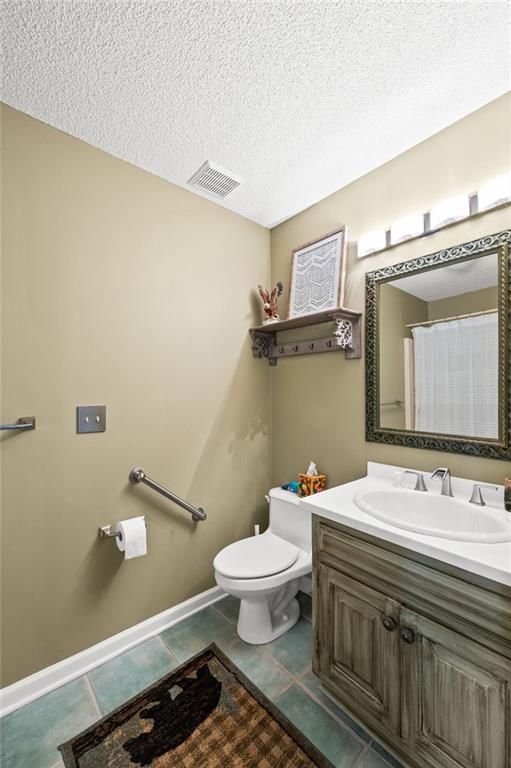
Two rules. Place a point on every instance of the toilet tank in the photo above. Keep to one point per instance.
(289, 519)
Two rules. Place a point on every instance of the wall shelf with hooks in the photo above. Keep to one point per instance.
(346, 336)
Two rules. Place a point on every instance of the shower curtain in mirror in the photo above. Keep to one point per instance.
(456, 376)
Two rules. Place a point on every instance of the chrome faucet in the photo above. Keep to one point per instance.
(477, 496)
(420, 485)
(444, 473)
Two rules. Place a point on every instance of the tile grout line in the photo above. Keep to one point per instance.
(171, 653)
(231, 623)
(262, 649)
(296, 680)
(362, 756)
(305, 670)
(265, 653)
(323, 706)
(88, 683)
(284, 688)
(167, 648)
(334, 703)
(365, 746)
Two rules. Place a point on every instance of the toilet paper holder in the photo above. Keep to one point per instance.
(107, 532)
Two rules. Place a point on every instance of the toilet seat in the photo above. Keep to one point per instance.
(256, 557)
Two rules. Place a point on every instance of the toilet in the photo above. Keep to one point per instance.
(264, 571)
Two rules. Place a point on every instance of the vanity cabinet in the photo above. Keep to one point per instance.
(419, 653)
(360, 657)
(456, 698)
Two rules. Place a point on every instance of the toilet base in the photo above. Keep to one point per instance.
(263, 618)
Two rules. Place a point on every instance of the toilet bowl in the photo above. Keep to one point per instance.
(264, 571)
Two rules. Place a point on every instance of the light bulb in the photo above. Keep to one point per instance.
(408, 226)
(494, 192)
(449, 210)
(371, 242)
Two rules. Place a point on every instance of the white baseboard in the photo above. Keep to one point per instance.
(30, 688)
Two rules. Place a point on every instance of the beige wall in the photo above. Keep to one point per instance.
(397, 308)
(122, 289)
(318, 401)
(463, 303)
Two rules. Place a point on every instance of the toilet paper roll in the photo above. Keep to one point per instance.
(133, 538)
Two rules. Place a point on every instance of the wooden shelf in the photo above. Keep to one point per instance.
(346, 337)
(304, 321)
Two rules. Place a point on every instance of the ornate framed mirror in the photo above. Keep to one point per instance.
(438, 331)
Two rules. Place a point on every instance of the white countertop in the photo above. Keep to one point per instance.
(492, 561)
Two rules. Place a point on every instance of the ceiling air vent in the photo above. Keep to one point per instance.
(213, 180)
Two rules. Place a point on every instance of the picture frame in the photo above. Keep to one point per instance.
(318, 271)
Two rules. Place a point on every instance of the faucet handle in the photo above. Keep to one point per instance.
(420, 485)
(445, 474)
(477, 496)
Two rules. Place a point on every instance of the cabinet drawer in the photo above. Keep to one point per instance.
(480, 613)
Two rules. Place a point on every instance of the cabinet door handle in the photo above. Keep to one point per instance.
(389, 623)
(407, 636)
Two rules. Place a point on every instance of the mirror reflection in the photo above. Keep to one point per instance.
(439, 350)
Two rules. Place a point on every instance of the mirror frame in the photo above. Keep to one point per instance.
(499, 448)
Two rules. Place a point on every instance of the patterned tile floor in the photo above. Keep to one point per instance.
(282, 670)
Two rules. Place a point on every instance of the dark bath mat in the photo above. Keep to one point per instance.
(206, 714)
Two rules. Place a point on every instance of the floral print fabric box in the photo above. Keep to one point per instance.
(309, 484)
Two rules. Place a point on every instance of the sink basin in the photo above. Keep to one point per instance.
(434, 515)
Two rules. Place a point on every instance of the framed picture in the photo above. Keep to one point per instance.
(317, 275)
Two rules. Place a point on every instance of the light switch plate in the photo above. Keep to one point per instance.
(90, 418)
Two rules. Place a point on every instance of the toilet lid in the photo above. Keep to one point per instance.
(256, 557)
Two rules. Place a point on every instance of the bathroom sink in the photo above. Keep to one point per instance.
(435, 515)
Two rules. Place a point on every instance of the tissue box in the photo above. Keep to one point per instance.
(309, 484)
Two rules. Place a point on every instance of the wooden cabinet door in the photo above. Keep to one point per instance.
(456, 698)
(358, 657)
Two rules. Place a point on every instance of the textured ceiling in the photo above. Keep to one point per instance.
(298, 98)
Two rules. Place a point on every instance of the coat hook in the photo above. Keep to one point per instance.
(295, 348)
(311, 346)
(329, 343)
(281, 350)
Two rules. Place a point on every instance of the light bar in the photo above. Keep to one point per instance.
(408, 226)
(371, 242)
(495, 192)
(449, 210)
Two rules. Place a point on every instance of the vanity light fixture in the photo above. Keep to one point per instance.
(407, 227)
(371, 242)
(449, 210)
(495, 192)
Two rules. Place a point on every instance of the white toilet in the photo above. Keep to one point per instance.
(264, 571)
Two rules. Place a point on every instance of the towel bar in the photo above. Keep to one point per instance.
(25, 423)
